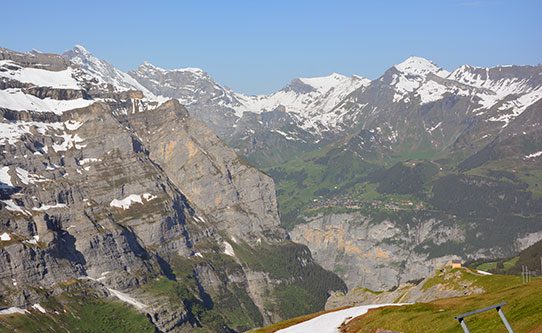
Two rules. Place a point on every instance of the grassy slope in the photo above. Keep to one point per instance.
(524, 305)
(91, 315)
(305, 286)
(492, 265)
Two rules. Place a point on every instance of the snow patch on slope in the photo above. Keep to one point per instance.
(43, 208)
(330, 322)
(28, 178)
(13, 310)
(127, 299)
(10, 133)
(12, 206)
(69, 141)
(40, 77)
(517, 106)
(38, 307)
(228, 249)
(534, 155)
(131, 199)
(16, 100)
(5, 178)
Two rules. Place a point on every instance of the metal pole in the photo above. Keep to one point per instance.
(464, 325)
(504, 320)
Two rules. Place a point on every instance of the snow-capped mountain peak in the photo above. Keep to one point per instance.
(325, 83)
(81, 50)
(103, 72)
(421, 67)
(406, 77)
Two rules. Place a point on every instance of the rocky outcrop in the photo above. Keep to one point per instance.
(443, 283)
(380, 253)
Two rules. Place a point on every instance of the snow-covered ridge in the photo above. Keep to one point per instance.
(484, 78)
(311, 106)
(147, 66)
(103, 72)
(39, 77)
(499, 86)
(325, 83)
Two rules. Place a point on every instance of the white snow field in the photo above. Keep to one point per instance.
(330, 322)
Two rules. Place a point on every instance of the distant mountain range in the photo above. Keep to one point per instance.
(438, 106)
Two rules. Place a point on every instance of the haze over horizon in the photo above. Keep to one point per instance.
(357, 38)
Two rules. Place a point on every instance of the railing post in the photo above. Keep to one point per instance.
(498, 307)
(464, 325)
(504, 320)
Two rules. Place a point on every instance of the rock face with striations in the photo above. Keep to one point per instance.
(237, 196)
(103, 190)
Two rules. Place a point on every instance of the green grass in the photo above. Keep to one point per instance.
(524, 305)
(78, 314)
(451, 279)
(529, 175)
(490, 266)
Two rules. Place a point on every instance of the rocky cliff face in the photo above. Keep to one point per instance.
(380, 253)
(238, 197)
(104, 189)
(372, 254)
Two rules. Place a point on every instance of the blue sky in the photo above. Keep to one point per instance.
(258, 46)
